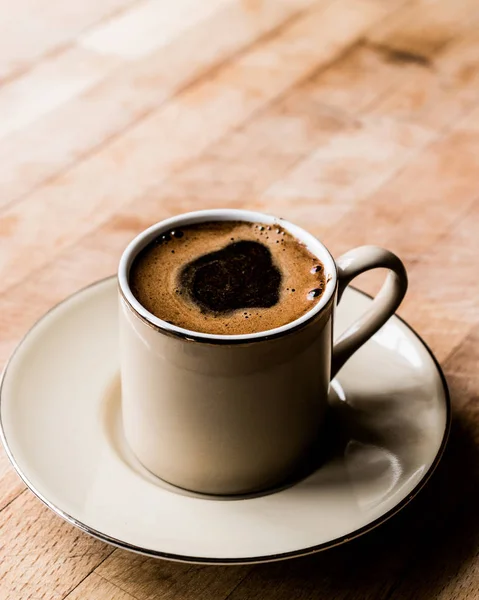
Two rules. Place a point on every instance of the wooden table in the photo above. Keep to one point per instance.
(357, 119)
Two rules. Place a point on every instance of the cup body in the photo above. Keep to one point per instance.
(224, 414)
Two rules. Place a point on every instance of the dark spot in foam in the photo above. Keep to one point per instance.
(241, 275)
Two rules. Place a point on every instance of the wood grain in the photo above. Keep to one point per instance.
(42, 556)
(95, 587)
(145, 577)
(357, 119)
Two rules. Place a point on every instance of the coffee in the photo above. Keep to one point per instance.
(227, 277)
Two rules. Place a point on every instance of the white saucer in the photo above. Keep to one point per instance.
(61, 427)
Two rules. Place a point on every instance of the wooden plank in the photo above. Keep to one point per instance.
(46, 88)
(439, 93)
(11, 486)
(346, 168)
(148, 26)
(421, 29)
(148, 579)
(334, 574)
(42, 556)
(31, 30)
(444, 303)
(359, 80)
(417, 191)
(429, 98)
(95, 587)
(308, 120)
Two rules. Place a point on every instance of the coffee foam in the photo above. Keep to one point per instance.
(155, 277)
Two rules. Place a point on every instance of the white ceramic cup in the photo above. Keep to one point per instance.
(233, 414)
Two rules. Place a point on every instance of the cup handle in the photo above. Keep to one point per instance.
(350, 265)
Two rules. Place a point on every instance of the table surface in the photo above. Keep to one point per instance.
(357, 119)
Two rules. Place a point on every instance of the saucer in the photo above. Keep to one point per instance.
(61, 427)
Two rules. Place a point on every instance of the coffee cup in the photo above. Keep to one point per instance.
(236, 414)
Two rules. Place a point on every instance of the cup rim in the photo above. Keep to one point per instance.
(227, 214)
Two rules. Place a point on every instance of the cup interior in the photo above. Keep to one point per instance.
(147, 236)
